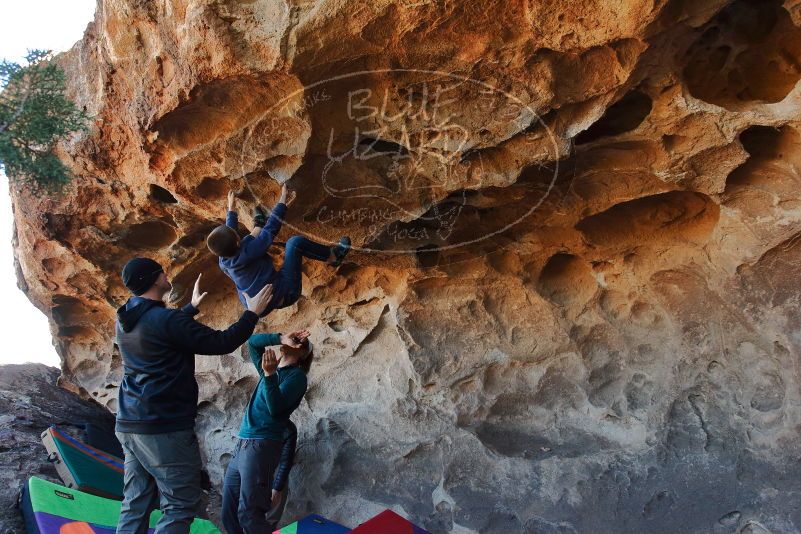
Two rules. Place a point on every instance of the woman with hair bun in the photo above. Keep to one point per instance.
(251, 504)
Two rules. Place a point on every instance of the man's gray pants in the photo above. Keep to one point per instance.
(161, 471)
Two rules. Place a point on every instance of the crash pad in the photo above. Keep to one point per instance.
(313, 524)
(101, 437)
(388, 522)
(82, 466)
(49, 508)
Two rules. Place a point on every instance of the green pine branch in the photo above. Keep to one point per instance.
(34, 115)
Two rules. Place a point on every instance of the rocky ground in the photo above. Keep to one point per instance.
(573, 303)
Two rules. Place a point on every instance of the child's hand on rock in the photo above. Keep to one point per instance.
(287, 197)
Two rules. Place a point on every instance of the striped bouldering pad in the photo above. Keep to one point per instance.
(388, 522)
(313, 524)
(83, 467)
(102, 437)
(52, 509)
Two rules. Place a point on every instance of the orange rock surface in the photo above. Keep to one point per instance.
(573, 303)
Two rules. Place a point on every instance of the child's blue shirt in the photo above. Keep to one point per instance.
(251, 268)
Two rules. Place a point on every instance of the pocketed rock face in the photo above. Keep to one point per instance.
(573, 304)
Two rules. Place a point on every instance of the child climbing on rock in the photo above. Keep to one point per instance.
(247, 263)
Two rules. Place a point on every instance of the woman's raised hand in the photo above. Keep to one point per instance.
(269, 362)
(294, 339)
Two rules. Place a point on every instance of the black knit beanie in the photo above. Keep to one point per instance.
(139, 274)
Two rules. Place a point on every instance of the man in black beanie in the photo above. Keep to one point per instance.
(157, 402)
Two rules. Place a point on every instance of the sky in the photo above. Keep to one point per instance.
(47, 24)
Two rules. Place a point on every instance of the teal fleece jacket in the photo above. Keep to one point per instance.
(275, 397)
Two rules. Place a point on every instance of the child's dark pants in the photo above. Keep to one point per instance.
(287, 284)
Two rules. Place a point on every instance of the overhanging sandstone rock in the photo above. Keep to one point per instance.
(573, 303)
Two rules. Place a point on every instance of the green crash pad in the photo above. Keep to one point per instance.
(83, 467)
(52, 509)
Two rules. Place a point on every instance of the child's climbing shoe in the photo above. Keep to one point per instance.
(340, 251)
(259, 217)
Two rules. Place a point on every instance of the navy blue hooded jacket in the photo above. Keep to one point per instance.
(158, 393)
(251, 268)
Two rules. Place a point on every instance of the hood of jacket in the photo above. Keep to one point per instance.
(128, 316)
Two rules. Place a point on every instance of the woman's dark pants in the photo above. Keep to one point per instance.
(248, 487)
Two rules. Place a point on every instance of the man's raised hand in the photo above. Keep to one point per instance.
(258, 303)
(197, 296)
(269, 362)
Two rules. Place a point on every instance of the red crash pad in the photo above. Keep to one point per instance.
(388, 522)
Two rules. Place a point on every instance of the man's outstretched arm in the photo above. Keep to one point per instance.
(196, 338)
